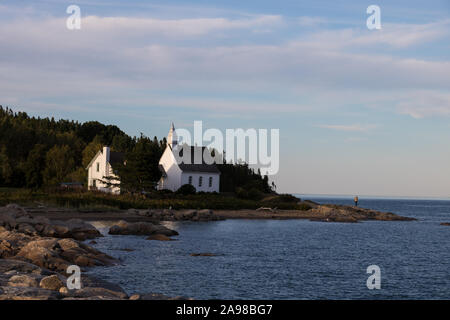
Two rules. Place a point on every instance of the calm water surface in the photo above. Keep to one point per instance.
(292, 259)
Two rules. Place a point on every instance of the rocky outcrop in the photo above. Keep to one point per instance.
(140, 228)
(50, 253)
(15, 218)
(340, 213)
(35, 253)
(178, 215)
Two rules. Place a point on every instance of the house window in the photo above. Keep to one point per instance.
(94, 183)
(200, 180)
(98, 167)
(190, 179)
(210, 182)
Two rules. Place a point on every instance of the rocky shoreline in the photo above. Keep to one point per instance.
(35, 253)
(317, 212)
(37, 245)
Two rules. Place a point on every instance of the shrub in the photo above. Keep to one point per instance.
(186, 189)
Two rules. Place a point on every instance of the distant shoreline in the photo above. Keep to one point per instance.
(362, 197)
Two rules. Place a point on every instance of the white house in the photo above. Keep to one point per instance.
(204, 177)
(101, 167)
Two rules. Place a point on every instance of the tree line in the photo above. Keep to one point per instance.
(40, 152)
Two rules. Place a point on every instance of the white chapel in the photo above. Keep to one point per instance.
(204, 177)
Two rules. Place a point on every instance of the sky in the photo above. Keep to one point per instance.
(360, 112)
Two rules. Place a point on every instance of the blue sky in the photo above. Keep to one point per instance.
(359, 111)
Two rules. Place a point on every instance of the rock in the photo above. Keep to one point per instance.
(15, 210)
(63, 290)
(57, 254)
(7, 265)
(82, 229)
(135, 297)
(158, 296)
(140, 228)
(203, 255)
(159, 237)
(52, 282)
(189, 214)
(22, 281)
(26, 229)
(7, 220)
(445, 224)
(132, 211)
(90, 281)
(67, 244)
(27, 293)
(6, 249)
(96, 292)
(205, 212)
(42, 254)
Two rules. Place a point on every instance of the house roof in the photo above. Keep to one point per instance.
(114, 158)
(200, 167)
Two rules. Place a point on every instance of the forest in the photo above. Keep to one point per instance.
(38, 153)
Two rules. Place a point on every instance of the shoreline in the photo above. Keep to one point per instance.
(38, 244)
(323, 213)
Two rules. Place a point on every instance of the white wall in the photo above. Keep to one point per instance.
(176, 178)
(173, 179)
(205, 181)
(105, 170)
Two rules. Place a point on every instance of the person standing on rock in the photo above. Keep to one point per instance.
(356, 201)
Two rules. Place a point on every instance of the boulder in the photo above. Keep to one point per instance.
(140, 228)
(26, 229)
(22, 280)
(81, 228)
(7, 265)
(159, 237)
(52, 282)
(6, 249)
(43, 254)
(27, 293)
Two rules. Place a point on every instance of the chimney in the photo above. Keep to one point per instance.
(106, 153)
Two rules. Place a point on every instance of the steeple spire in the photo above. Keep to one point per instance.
(172, 139)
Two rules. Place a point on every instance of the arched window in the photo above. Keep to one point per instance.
(200, 180)
(190, 179)
(210, 182)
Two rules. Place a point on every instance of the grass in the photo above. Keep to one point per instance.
(98, 201)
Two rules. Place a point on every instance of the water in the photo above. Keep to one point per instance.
(293, 259)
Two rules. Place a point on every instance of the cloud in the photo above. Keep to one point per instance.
(176, 27)
(348, 128)
(306, 21)
(177, 63)
(425, 104)
(395, 35)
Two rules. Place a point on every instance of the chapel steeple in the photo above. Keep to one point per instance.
(172, 138)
